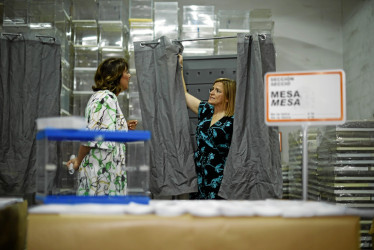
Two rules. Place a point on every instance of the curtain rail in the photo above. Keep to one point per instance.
(15, 35)
(11, 36)
(202, 39)
(142, 44)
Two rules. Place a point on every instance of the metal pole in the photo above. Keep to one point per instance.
(202, 39)
(193, 39)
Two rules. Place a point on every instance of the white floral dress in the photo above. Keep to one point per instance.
(102, 171)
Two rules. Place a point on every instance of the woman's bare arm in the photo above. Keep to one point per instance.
(192, 102)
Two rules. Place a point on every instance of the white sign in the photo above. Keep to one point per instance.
(294, 98)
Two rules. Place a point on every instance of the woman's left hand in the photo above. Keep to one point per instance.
(131, 124)
(180, 59)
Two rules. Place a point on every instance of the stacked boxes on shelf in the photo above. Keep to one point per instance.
(48, 21)
(15, 13)
(113, 35)
(113, 25)
(141, 29)
(86, 51)
(261, 21)
(198, 22)
(100, 29)
(112, 20)
(346, 169)
(41, 14)
(231, 22)
(141, 22)
(30, 18)
(166, 20)
(63, 34)
(113, 28)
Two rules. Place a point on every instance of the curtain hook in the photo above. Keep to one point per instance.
(262, 36)
(150, 44)
(51, 39)
(11, 36)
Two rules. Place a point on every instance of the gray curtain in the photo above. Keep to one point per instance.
(30, 87)
(164, 113)
(253, 167)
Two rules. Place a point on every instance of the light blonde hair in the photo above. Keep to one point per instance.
(229, 91)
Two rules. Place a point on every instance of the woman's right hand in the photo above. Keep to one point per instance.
(75, 163)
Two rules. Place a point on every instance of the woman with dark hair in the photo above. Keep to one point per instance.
(101, 164)
(213, 134)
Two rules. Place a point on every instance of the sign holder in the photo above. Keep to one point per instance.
(305, 98)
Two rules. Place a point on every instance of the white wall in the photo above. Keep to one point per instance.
(358, 57)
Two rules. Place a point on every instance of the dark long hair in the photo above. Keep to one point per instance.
(109, 73)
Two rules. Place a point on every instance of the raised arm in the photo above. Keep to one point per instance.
(192, 102)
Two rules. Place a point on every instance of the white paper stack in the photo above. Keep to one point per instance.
(346, 169)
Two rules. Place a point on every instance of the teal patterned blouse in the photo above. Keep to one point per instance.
(213, 144)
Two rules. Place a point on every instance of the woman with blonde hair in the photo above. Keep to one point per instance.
(213, 134)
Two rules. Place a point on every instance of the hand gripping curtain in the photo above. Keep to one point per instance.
(253, 165)
(30, 87)
(164, 113)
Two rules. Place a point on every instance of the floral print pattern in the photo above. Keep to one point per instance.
(102, 171)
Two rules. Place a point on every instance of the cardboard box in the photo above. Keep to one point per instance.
(190, 232)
